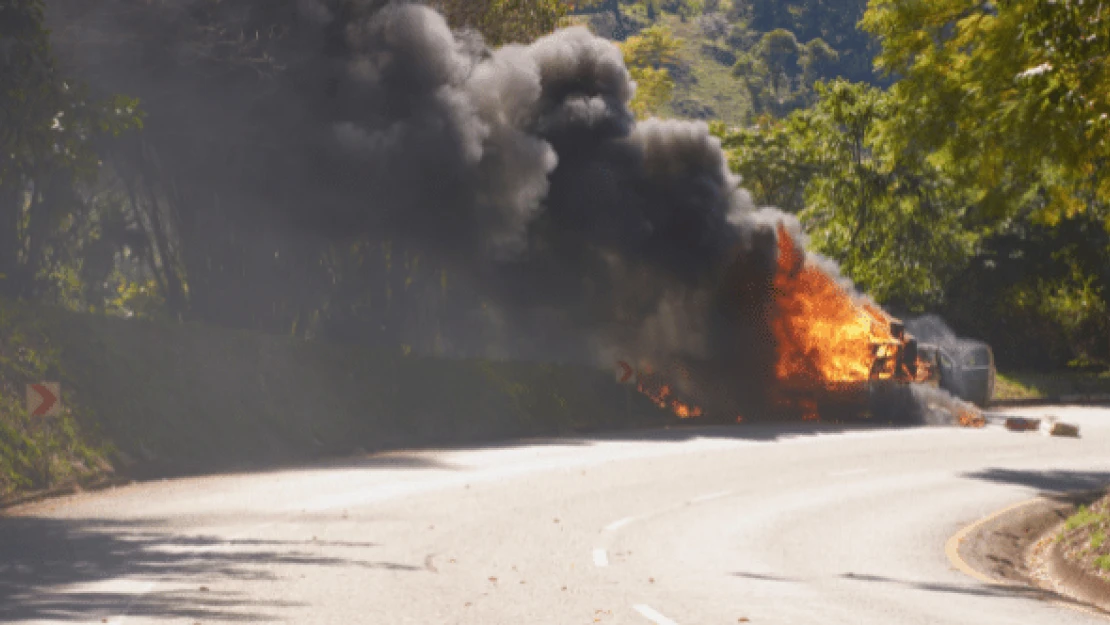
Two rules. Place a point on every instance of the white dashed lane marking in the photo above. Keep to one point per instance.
(601, 558)
(652, 615)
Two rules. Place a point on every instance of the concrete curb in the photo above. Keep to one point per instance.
(1076, 581)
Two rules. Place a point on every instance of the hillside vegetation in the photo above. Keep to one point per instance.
(740, 59)
(149, 398)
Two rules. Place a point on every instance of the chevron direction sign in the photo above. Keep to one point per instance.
(44, 399)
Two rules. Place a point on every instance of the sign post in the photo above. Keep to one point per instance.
(44, 400)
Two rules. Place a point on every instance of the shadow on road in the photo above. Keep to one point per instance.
(84, 570)
(418, 458)
(980, 590)
(1049, 482)
(763, 577)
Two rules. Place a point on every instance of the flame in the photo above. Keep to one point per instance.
(828, 341)
(661, 395)
(809, 410)
(824, 336)
(972, 419)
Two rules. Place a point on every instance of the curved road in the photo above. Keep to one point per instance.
(681, 526)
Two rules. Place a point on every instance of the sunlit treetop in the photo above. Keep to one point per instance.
(1003, 92)
(505, 21)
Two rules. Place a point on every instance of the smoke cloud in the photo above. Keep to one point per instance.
(522, 169)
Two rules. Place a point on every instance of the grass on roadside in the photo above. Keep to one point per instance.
(1084, 537)
(38, 452)
(1020, 385)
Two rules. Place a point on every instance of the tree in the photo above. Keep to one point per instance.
(1009, 100)
(771, 161)
(49, 126)
(647, 56)
(655, 47)
(832, 22)
(1008, 95)
(895, 226)
(505, 21)
(779, 72)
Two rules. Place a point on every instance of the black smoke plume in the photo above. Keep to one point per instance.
(521, 168)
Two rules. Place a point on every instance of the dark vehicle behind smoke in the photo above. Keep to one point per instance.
(963, 367)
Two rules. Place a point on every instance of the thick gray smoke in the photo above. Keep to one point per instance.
(525, 167)
(521, 168)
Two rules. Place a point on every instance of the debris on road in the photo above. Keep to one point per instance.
(1021, 424)
(1049, 426)
(1052, 427)
(971, 418)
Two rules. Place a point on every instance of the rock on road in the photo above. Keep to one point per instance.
(686, 526)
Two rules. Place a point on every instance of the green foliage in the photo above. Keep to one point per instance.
(647, 56)
(779, 72)
(505, 21)
(833, 23)
(770, 160)
(1084, 536)
(49, 130)
(653, 90)
(894, 226)
(36, 452)
(1007, 97)
(654, 47)
(1038, 293)
(1084, 517)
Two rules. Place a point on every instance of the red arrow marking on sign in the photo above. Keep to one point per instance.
(48, 399)
(627, 374)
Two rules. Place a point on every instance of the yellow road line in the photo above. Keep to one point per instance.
(952, 547)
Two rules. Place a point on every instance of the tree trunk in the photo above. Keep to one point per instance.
(620, 32)
(10, 241)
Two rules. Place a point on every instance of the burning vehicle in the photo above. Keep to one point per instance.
(840, 356)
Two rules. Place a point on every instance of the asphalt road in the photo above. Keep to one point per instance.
(681, 526)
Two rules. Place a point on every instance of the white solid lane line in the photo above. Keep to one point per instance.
(711, 496)
(652, 615)
(616, 525)
(601, 558)
(619, 523)
(847, 472)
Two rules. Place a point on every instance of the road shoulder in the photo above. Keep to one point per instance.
(1012, 548)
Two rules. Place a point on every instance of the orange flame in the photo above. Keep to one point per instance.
(661, 395)
(824, 336)
(972, 419)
